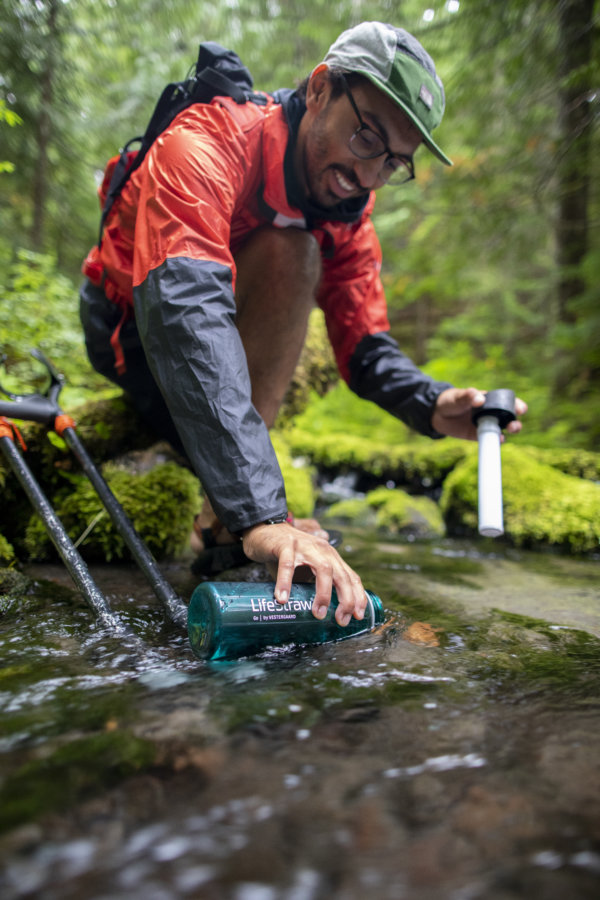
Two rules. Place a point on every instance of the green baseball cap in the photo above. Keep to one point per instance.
(395, 62)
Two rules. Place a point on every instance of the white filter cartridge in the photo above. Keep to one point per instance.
(491, 522)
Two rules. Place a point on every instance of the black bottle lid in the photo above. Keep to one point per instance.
(500, 404)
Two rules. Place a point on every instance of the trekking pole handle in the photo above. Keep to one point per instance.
(42, 408)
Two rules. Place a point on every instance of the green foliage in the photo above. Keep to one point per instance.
(542, 506)
(11, 118)
(39, 308)
(160, 504)
(341, 412)
(7, 553)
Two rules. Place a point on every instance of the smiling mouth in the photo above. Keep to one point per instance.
(344, 183)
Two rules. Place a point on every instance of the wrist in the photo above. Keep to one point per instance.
(274, 520)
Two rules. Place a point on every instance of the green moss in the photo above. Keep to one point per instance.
(341, 431)
(422, 465)
(393, 511)
(580, 463)
(298, 479)
(542, 506)
(7, 553)
(341, 412)
(161, 505)
(73, 772)
(355, 511)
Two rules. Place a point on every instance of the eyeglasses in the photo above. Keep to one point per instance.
(367, 144)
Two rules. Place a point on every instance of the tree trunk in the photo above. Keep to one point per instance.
(575, 48)
(44, 129)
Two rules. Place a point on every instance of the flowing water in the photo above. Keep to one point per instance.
(453, 754)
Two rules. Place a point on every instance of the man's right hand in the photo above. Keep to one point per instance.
(290, 548)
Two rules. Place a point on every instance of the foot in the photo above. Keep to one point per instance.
(205, 534)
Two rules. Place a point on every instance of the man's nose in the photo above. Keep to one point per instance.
(369, 172)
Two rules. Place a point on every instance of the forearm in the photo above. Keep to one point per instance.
(185, 315)
(380, 372)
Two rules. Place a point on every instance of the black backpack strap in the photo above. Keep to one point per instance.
(222, 85)
(218, 72)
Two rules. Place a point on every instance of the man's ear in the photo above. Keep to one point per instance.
(317, 91)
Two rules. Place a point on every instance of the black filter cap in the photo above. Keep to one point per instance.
(500, 404)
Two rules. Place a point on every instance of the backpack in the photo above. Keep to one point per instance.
(217, 72)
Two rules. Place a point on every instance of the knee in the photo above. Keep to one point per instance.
(285, 254)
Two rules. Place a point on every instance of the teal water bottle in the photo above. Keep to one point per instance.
(229, 619)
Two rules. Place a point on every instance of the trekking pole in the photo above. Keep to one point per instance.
(176, 608)
(56, 530)
(45, 410)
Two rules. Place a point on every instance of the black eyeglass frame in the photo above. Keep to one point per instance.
(406, 162)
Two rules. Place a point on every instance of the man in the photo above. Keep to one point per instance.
(238, 220)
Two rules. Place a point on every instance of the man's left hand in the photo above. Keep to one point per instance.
(453, 409)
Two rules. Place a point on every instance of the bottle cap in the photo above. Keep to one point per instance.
(500, 404)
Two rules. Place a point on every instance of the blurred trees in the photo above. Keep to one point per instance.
(490, 267)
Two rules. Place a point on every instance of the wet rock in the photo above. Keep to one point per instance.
(422, 633)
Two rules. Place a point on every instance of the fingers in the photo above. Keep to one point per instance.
(452, 414)
(520, 406)
(310, 526)
(290, 549)
(285, 574)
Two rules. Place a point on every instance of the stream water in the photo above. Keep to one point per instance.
(453, 754)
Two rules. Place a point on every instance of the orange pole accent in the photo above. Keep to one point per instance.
(61, 422)
(10, 430)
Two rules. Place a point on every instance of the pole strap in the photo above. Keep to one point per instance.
(9, 429)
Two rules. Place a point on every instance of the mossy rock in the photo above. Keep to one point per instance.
(13, 587)
(82, 768)
(580, 463)
(341, 432)
(393, 511)
(298, 478)
(421, 465)
(542, 506)
(315, 373)
(161, 505)
(106, 427)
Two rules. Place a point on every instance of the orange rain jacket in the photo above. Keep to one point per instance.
(217, 173)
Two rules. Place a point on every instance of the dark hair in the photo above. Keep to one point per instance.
(336, 77)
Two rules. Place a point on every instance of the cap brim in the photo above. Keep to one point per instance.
(427, 139)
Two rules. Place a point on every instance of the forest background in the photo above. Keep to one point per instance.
(491, 268)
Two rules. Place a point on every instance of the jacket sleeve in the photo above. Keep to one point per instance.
(369, 359)
(184, 279)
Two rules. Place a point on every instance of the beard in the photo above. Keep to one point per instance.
(318, 167)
